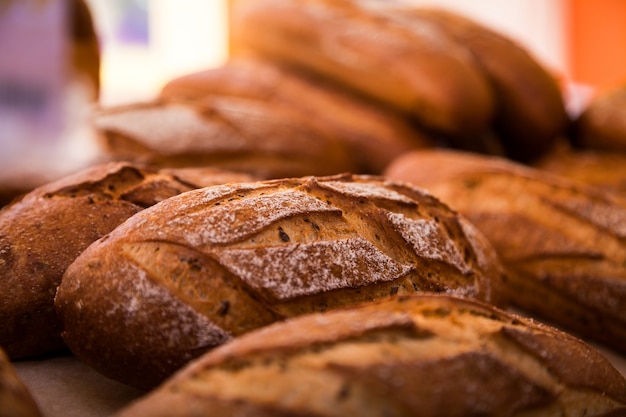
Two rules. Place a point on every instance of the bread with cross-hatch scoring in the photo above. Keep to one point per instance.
(196, 270)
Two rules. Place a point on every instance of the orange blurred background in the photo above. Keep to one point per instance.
(596, 34)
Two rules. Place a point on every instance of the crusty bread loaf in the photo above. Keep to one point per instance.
(375, 133)
(529, 107)
(418, 355)
(602, 124)
(15, 398)
(416, 68)
(232, 133)
(42, 233)
(564, 243)
(194, 271)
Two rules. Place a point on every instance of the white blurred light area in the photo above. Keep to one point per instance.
(145, 43)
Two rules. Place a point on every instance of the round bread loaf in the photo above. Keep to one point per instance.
(375, 133)
(228, 132)
(43, 232)
(563, 243)
(602, 125)
(419, 355)
(194, 271)
(15, 398)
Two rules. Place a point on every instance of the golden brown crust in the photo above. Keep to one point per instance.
(376, 134)
(432, 77)
(218, 262)
(231, 133)
(43, 232)
(427, 355)
(15, 398)
(602, 125)
(530, 110)
(564, 243)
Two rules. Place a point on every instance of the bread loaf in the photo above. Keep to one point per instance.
(416, 68)
(42, 233)
(232, 133)
(602, 124)
(564, 244)
(375, 134)
(198, 269)
(419, 355)
(15, 398)
(529, 108)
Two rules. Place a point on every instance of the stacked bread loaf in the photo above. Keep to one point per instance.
(291, 224)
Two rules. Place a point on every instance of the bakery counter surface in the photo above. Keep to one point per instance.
(65, 387)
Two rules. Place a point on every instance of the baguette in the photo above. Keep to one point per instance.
(417, 69)
(563, 243)
(194, 271)
(375, 134)
(232, 133)
(43, 232)
(426, 355)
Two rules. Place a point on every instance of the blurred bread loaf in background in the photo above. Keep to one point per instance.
(375, 134)
(530, 113)
(228, 132)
